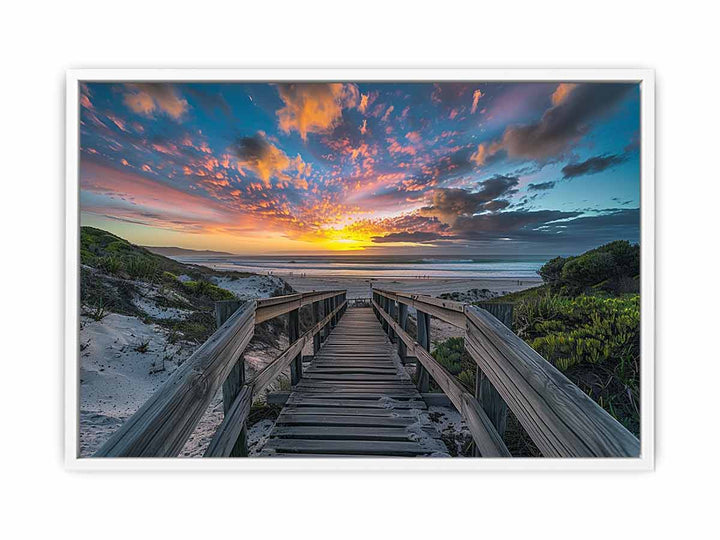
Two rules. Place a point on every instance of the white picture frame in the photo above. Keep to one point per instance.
(645, 78)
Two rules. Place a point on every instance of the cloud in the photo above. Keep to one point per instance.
(417, 237)
(363, 103)
(449, 204)
(478, 157)
(146, 98)
(210, 101)
(592, 165)
(565, 122)
(477, 94)
(543, 186)
(314, 107)
(262, 157)
(562, 92)
(507, 224)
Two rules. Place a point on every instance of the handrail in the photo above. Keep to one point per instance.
(269, 308)
(559, 417)
(166, 420)
(483, 432)
(162, 425)
(224, 439)
(446, 310)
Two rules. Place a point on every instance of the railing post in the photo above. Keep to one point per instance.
(326, 329)
(402, 320)
(384, 306)
(293, 335)
(489, 398)
(236, 378)
(316, 319)
(423, 330)
(393, 316)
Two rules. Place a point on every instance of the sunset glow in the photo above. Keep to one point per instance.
(465, 167)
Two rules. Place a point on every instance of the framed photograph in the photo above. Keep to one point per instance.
(360, 269)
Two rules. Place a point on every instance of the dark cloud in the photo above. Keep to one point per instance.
(417, 237)
(211, 102)
(450, 203)
(507, 224)
(543, 186)
(592, 165)
(565, 123)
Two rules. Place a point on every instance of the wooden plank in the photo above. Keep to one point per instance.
(312, 400)
(349, 411)
(560, 418)
(342, 433)
(280, 398)
(365, 448)
(338, 420)
(164, 422)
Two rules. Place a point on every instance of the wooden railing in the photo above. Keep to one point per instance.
(559, 417)
(163, 424)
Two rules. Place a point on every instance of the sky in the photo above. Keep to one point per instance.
(450, 168)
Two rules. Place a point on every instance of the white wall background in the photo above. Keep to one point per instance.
(40, 41)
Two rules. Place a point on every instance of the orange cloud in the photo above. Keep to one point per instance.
(363, 128)
(561, 92)
(314, 108)
(146, 98)
(477, 94)
(390, 109)
(413, 136)
(363, 103)
(262, 157)
(397, 148)
(478, 157)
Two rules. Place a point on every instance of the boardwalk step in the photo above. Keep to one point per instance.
(354, 399)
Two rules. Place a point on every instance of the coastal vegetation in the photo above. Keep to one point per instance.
(585, 320)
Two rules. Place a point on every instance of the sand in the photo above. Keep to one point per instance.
(359, 287)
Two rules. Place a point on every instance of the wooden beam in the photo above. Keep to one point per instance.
(166, 420)
(483, 432)
(559, 417)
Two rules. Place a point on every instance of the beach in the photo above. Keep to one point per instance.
(359, 287)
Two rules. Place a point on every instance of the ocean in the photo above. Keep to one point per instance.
(375, 266)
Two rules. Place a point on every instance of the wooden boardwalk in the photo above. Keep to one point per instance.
(355, 399)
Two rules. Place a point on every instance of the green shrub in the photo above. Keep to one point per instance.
(141, 268)
(451, 354)
(610, 267)
(109, 263)
(207, 290)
